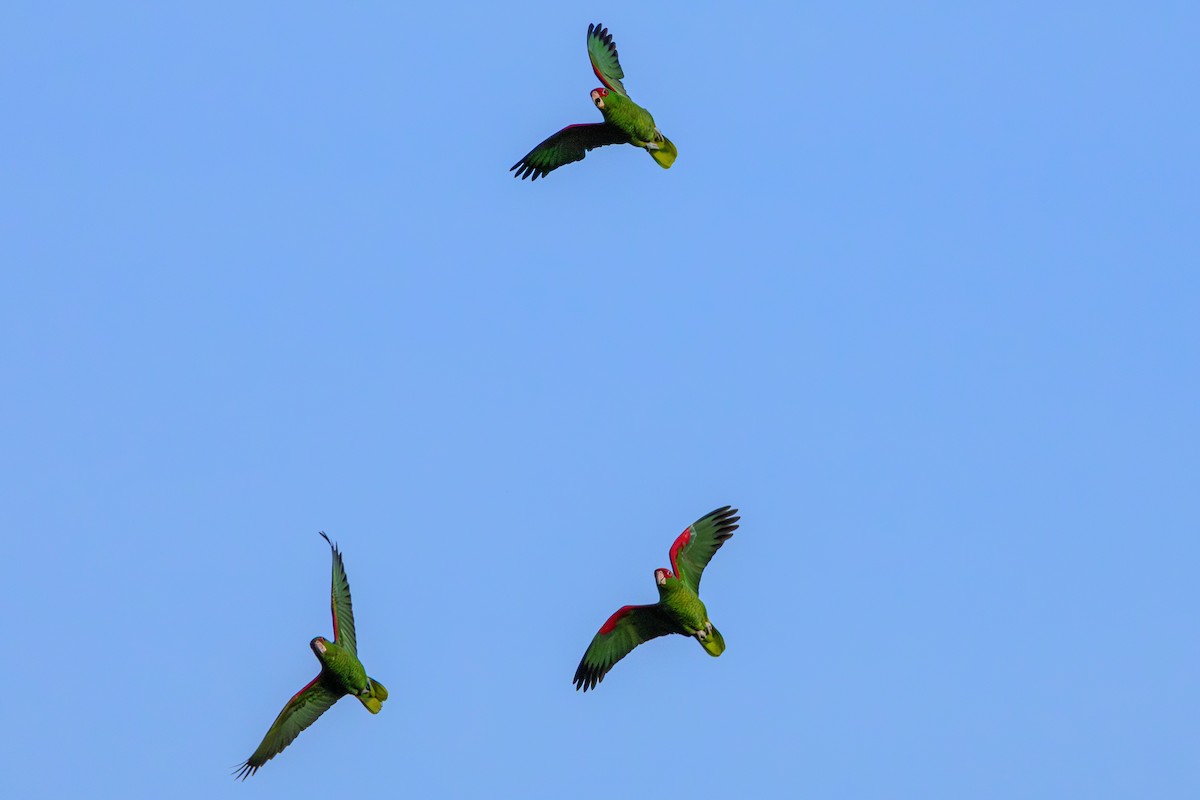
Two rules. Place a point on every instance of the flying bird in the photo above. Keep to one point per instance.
(678, 609)
(341, 674)
(625, 122)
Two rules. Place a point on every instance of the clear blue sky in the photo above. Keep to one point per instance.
(921, 296)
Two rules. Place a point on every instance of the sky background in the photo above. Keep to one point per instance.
(921, 296)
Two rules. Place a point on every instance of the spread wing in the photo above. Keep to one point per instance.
(343, 614)
(624, 630)
(300, 712)
(603, 54)
(694, 547)
(568, 145)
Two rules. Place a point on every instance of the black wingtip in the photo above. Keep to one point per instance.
(600, 32)
(725, 519)
(243, 771)
(336, 553)
(527, 169)
(587, 677)
(722, 514)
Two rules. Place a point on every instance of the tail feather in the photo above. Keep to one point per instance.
(373, 699)
(713, 644)
(665, 154)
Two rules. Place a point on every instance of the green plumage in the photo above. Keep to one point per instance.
(341, 674)
(683, 606)
(679, 608)
(625, 122)
(631, 118)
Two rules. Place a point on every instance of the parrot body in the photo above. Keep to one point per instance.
(341, 674)
(631, 118)
(346, 675)
(687, 611)
(625, 122)
(678, 610)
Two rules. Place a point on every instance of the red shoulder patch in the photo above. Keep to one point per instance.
(612, 621)
(680, 543)
(596, 70)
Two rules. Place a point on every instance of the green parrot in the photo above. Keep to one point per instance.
(625, 122)
(678, 609)
(341, 674)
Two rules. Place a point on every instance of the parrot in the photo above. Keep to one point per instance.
(341, 674)
(625, 122)
(678, 609)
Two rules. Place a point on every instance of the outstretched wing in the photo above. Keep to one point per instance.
(624, 630)
(300, 712)
(568, 145)
(603, 54)
(343, 614)
(694, 547)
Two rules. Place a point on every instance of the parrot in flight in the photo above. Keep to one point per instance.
(341, 674)
(678, 609)
(625, 122)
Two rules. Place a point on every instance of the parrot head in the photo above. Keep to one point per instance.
(661, 574)
(598, 96)
(319, 645)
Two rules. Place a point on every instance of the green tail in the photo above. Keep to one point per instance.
(665, 154)
(713, 644)
(374, 700)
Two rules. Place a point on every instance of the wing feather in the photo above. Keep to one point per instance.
(339, 601)
(694, 547)
(301, 711)
(603, 54)
(628, 627)
(567, 146)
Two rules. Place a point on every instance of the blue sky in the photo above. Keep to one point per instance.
(920, 296)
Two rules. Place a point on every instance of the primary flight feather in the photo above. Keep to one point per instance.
(341, 674)
(678, 610)
(625, 122)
